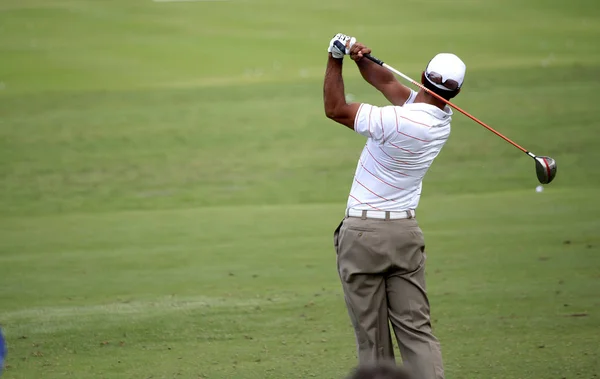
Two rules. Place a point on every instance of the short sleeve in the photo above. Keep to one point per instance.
(377, 123)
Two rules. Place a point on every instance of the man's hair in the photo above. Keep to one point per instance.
(443, 93)
(382, 370)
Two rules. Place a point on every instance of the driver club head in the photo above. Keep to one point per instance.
(545, 168)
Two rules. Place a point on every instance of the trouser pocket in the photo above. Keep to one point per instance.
(336, 237)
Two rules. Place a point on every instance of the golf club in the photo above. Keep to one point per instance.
(545, 167)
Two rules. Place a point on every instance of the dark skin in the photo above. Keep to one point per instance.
(334, 98)
(385, 82)
(377, 76)
(336, 107)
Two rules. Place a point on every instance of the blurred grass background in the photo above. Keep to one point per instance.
(169, 186)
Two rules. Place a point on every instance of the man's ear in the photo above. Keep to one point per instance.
(423, 78)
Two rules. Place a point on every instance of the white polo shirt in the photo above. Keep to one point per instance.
(402, 143)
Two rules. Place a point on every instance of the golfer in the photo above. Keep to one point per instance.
(379, 244)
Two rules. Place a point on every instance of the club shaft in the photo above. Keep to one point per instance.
(390, 68)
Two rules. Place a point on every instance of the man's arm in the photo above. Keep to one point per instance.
(379, 77)
(334, 98)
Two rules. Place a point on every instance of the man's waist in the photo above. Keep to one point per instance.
(380, 214)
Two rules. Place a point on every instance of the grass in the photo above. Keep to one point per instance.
(169, 187)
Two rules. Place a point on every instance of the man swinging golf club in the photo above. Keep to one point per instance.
(379, 244)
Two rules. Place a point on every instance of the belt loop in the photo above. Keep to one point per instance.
(364, 215)
(410, 214)
(387, 215)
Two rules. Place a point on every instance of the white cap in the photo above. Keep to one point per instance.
(449, 66)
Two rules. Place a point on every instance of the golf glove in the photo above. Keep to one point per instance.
(340, 45)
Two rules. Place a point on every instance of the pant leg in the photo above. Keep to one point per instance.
(409, 309)
(361, 268)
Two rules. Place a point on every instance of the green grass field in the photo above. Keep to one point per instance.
(170, 186)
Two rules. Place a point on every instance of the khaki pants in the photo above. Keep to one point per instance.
(381, 264)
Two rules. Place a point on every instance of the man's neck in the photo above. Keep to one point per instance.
(424, 97)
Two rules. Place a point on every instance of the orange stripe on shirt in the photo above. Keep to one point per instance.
(381, 120)
(360, 202)
(398, 130)
(413, 137)
(401, 148)
(384, 166)
(413, 121)
(378, 178)
(374, 193)
(370, 111)
(416, 122)
(397, 123)
(357, 115)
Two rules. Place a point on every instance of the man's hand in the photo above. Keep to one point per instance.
(358, 51)
(345, 41)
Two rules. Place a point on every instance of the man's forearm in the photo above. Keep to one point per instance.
(333, 87)
(374, 74)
